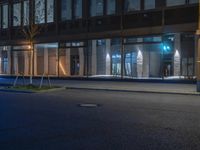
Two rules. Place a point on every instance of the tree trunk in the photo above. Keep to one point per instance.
(31, 67)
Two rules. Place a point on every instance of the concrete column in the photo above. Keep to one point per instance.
(46, 61)
(9, 61)
(108, 57)
(26, 63)
(35, 62)
(177, 55)
(0, 62)
(15, 62)
(68, 63)
(81, 61)
(94, 57)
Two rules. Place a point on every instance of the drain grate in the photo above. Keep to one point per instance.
(88, 105)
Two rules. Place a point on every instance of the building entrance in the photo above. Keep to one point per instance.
(75, 65)
(167, 69)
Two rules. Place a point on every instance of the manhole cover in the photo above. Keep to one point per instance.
(88, 105)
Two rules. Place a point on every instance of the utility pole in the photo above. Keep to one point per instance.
(198, 52)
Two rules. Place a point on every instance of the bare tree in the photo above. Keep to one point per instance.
(30, 32)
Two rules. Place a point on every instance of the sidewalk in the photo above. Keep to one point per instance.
(168, 88)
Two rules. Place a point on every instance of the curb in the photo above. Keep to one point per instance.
(119, 79)
(132, 91)
(5, 84)
(30, 91)
(51, 90)
(17, 91)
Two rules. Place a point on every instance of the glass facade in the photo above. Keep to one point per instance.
(26, 13)
(193, 1)
(143, 60)
(175, 2)
(66, 10)
(101, 57)
(116, 57)
(39, 11)
(50, 11)
(46, 58)
(187, 54)
(5, 17)
(20, 60)
(132, 5)
(71, 9)
(152, 56)
(77, 9)
(5, 60)
(111, 7)
(72, 59)
(168, 56)
(44, 11)
(17, 14)
(0, 17)
(96, 7)
(149, 4)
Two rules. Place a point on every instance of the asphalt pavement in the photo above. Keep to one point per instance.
(99, 120)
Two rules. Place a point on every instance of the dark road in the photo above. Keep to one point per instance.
(120, 121)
